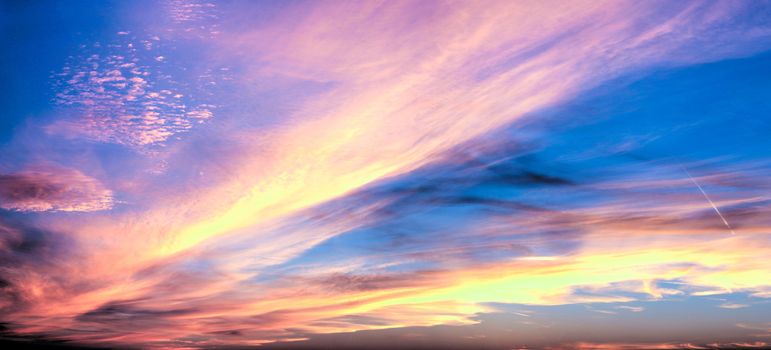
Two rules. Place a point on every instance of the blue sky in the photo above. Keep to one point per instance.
(185, 174)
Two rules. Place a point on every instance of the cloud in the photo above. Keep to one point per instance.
(48, 188)
(412, 90)
(664, 325)
(379, 200)
(118, 313)
(631, 308)
(27, 253)
(128, 91)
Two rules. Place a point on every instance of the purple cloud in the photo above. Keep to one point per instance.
(53, 189)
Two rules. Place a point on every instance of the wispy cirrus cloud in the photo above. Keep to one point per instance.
(409, 182)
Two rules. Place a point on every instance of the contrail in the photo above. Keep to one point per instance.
(709, 200)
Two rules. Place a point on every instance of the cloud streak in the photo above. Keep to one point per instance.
(338, 167)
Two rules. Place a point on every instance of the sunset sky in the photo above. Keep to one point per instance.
(344, 174)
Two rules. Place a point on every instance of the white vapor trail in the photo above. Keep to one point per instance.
(709, 200)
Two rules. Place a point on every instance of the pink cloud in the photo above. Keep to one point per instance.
(53, 189)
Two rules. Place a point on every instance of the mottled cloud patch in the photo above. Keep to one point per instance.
(135, 90)
(199, 18)
(118, 99)
(53, 189)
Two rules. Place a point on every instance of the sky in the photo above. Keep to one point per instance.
(187, 174)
